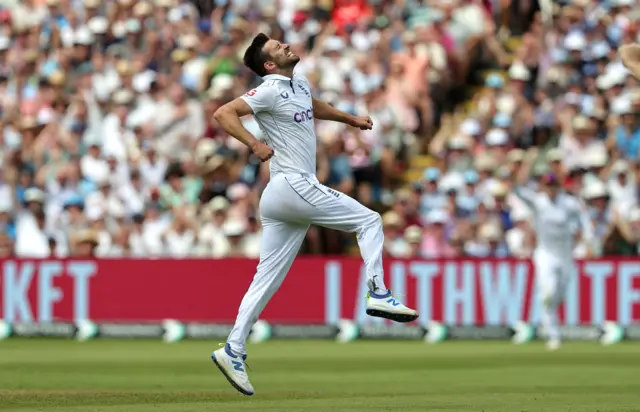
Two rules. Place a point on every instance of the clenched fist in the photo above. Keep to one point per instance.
(263, 151)
(361, 122)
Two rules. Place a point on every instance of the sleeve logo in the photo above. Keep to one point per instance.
(251, 93)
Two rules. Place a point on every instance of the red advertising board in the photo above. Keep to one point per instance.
(316, 291)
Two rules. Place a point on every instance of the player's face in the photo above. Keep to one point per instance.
(281, 55)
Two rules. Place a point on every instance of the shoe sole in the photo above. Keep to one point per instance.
(226, 375)
(396, 317)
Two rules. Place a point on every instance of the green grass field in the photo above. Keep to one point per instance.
(313, 376)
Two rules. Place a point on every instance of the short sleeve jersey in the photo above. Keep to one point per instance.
(284, 110)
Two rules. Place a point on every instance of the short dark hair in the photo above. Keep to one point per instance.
(255, 56)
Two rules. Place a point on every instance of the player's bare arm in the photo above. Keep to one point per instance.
(630, 55)
(228, 116)
(325, 111)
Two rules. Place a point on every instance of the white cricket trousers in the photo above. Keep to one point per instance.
(553, 272)
(289, 204)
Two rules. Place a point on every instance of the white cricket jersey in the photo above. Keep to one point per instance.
(284, 110)
(556, 222)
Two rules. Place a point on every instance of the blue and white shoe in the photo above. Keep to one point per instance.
(388, 307)
(234, 368)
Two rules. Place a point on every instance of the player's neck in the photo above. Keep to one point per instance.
(284, 72)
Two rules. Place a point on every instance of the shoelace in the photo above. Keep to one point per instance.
(222, 345)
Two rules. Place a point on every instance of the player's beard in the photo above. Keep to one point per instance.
(293, 60)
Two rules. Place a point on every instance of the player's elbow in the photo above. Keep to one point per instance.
(221, 113)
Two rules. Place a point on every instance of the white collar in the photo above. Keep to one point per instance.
(276, 77)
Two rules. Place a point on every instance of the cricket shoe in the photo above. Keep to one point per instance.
(234, 368)
(388, 307)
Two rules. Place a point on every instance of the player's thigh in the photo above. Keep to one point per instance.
(335, 210)
(547, 273)
(280, 243)
(567, 272)
(301, 199)
(281, 202)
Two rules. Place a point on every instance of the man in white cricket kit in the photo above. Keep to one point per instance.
(294, 199)
(558, 218)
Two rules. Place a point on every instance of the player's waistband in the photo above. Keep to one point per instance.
(302, 175)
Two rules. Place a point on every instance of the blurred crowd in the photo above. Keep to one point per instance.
(566, 109)
(109, 146)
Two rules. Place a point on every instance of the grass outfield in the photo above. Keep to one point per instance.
(313, 376)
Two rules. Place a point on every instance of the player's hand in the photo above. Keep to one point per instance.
(362, 122)
(263, 151)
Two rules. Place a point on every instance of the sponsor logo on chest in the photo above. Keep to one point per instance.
(303, 116)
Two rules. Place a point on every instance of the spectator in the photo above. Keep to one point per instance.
(489, 242)
(435, 243)
(84, 244)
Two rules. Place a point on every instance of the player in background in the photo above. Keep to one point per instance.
(630, 56)
(294, 198)
(558, 219)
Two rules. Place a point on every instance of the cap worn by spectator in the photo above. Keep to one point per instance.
(234, 227)
(218, 204)
(471, 127)
(98, 25)
(515, 156)
(554, 155)
(470, 177)
(458, 142)
(502, 120)
(452, 182)
(520, 215)
(485, 163)
(87, 236)
(402, 194)
(490, 232)
(413, 234)
(496, 137)
(391, 219)
(180, 55)
(595, 190)
(123, 97)
(494, 81)
(83, 36)
(620, 167)
(165, 4)
(575, 42)
(500, 190)
(34, 194)
(238, 191)
(519, 71)
(5, 43)
(142, 9)
(437, 217)
(91, 4)
(595, 159)
(580, 123)
(188, 41)
(622, 106)
(57, 78)
(431, 174)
